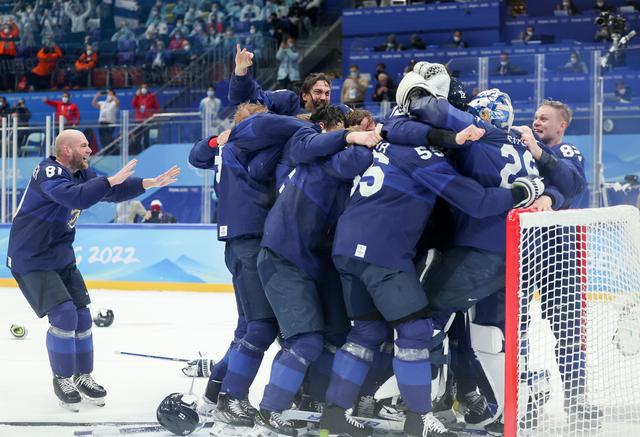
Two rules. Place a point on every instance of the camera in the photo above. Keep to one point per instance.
(615, 24)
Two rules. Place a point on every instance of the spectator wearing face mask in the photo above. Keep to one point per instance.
(210, 107)
(48, 55)
(9, 35)
(575, 65)
(146, 105)
(87, 61)
(353, 88)
(65, 109)
(108, 115)
(288, 68)
(4, 107)
(390, 46)
(22, 113)
(78, 18)
(623, 92)
(155, 214)
(529, 34)
(457, 41)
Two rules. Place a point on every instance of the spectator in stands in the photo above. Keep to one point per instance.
(155, 214)
(177, 42)
(229, 42)
(568, 7)
(409, 66)
(416, 42)
(48, 55)
(623, 92)
(8, 51)
(190, 16)
(87, 61)
(254, 42)
(124, 33)
(277, 28)
(108, 115)
(506, 68)
(282, 9)
(575, 65)
(603, 6)
(385, 90)
(210, 107)
(602, 35)
(312, 8)
(65, 109)
(353, 88)
(457, 41)
(181, 28)
(5, 109)
(380, 68)
(130, 211)
(156, 61)
(146, 105)
(78, 19)
(288, 59)
(389, 46)
(529, 34)
(22, 113)
(250, 12)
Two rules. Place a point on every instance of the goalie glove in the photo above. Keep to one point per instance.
(525, 190)
(200, 367)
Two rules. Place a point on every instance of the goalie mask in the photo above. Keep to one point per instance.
(493, 106)
(178, 413)
(413, 86)
(104, 318)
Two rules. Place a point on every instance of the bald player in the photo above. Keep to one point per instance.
(41, 257)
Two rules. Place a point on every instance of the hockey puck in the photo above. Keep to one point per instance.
(18, 331)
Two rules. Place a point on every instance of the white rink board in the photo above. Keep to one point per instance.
(178, 324)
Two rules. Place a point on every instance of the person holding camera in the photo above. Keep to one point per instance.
(288, 69)
(155, 214)
(107, 116)
(48, 55)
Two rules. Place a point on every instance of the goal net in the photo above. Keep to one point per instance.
(573, 323)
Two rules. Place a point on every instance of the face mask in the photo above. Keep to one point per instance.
(210, 93)
(65, 100)
(187, 48)
(574, 60)
(144, 90)
(504, 63)
(354, 74)
(252, 31)
(89, 52)
(456, 38)
(109, 99)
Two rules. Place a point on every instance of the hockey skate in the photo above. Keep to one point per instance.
(67, 393)
(425, 425)
(337, 421)
(89, 389)
(476, 409)
(272, 424)
(206, 407)
(230, 418)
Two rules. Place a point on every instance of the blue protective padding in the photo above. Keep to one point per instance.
(64, 316)
(415, 334)
(260, 334)
(307, 346)
(84, 319)
(370, 334)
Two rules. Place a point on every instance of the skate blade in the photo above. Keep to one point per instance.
(447, 417)
(98, 402)
(221, 429)
(71, 407)
(259, 431)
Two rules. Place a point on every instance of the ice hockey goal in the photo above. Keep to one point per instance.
(572, 334)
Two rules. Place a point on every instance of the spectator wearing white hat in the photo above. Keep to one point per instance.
(155, 214)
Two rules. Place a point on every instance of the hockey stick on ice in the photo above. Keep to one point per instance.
(158, 357)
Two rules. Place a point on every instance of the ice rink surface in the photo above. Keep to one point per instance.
(177, 324)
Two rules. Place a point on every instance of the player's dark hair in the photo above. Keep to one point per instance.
(310, 81)
(329, 116)
(355, 117)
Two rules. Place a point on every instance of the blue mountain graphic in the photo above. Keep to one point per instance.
(162, 271)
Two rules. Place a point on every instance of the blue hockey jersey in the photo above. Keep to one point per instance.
(245, 89)
(387, 213)
(43, 228)
(563, 167)
(301, 224)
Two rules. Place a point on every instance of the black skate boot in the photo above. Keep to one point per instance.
(337, 421)
(496, 428)
(365, 406)
(229, 417)
(271, 424)
(89, 389)
(390, 409)
(425, 425)
(477, 411)
(249, 409)
(67, 392)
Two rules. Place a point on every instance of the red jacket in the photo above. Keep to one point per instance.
(68, 110)
(86, 62)
(8, 41)
(145, 105)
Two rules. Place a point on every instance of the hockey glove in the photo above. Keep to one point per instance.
(525, 190)
(200, 367)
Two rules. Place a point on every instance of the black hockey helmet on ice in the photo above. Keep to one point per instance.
(457, 95)
(104, 318)
(178, 413)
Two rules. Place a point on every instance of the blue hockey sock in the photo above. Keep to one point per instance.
(61, 341)
(245, 358)
(320, 374)
(288, 371)
(412, 366)
(219, 369)
(347, 375)
(381, 369)
(84, 342)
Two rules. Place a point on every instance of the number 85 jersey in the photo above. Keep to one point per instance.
(43, 228)
(392, 201)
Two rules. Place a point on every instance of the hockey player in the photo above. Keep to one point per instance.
(245, 167)
(41, 257)
(380, 285)
(295, 262)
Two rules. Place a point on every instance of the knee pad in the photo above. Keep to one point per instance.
(84, 319)
(415, 334)
(64, 316)
(241, 328)
(370, 334)
(306, 347)
(260, 334)
(335, 339)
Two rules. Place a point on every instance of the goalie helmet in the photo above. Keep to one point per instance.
(493, 106)
(104, 318)
(178, 414)
(437, 78)
(413, 86)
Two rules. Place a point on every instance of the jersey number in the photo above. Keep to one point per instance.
(217, 162)
(372, 179)
(51, 170)
(511, 169)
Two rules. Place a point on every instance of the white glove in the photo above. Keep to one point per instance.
(411, 86)
(533, 188)
(200, 367)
